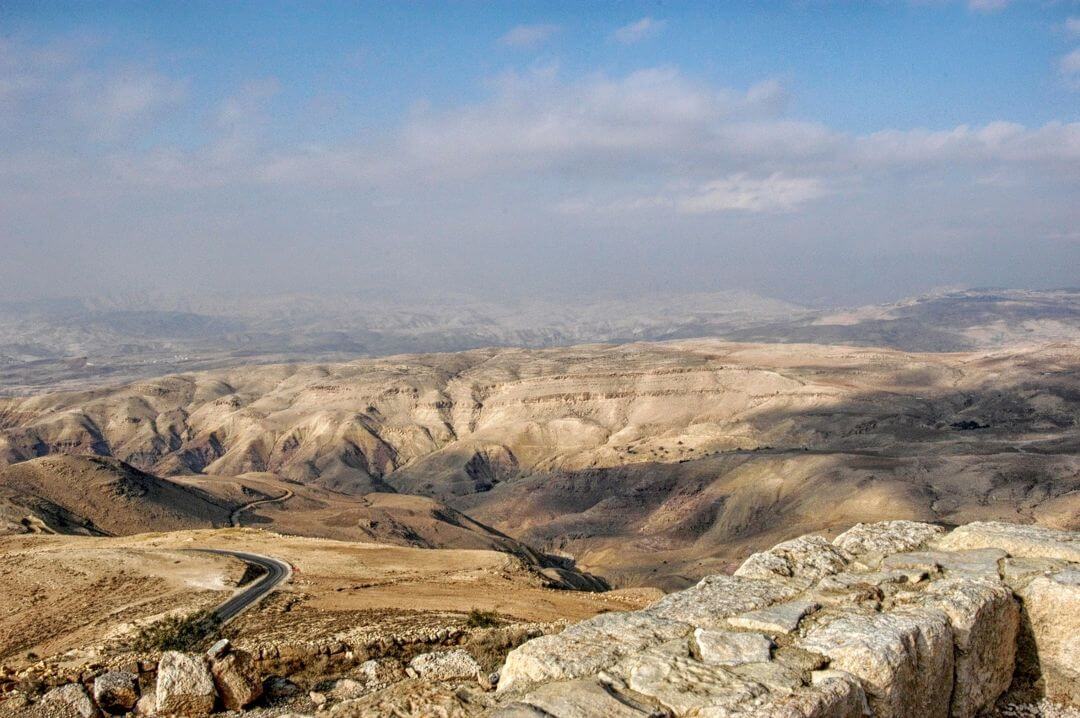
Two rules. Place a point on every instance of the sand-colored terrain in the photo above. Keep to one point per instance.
(64, 592)
(651, 464)
(71, 592)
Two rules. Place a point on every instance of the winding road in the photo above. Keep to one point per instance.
(277, 572)
(234, 517)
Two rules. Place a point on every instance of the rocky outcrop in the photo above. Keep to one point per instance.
(116, 691)
(237, 679)
(70, 701)
(891, 619)
(1052, 608)
(445, 665)
(184, 685)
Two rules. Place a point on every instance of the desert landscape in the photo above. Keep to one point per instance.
(624, 359)
(484, 498)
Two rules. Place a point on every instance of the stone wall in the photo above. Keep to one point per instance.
(890, 619)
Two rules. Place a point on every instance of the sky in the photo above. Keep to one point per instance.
(826, 153)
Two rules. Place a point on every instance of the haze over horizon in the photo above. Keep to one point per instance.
(820, 153)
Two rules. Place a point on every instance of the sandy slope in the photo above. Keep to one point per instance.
(63, 592)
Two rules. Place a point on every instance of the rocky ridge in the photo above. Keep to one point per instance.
(889, 619)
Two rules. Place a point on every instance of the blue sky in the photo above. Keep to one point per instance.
(762, 146)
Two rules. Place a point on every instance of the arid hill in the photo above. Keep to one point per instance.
(649, 463)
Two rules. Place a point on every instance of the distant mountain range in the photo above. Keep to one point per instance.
(84, 342)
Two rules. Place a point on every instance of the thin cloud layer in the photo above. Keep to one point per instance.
(538, 164)
(638, 30)
(528, 36)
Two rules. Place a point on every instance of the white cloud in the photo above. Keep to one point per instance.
(775, 193)
(528, 36)
(639, 30)
(987, 5)
(1069, 66)
(1072, 26)
(741, 192)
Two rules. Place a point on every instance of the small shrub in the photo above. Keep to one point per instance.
(176, 633)
(482, 619)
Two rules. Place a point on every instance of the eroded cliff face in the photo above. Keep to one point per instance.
(890, 619)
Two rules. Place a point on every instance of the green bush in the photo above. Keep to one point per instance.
(176, 633)
(482, 619)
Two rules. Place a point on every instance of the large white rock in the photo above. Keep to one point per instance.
(184, 685)
(776, 619)
(810, 558)
(237, 680)
(886, 537)
(445, 665)
(833, 694)
(69, 701)
(581, 698)
(981, 562)
(730, 648)
(1017, 539)
(904, 658)
(984, 618)
(1052, 605)
(586, 648)
(683, 685)
(716, 598)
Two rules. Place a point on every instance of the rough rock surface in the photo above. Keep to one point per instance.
(903, 657)
(237, 680)
(731, 648)
(1016, 539)
(1052, 605)
(445, 665)
(70, 701)
(886, 537)
(586, 648)
(116, 691)
(891, 619)
(807, 557)
(716, 598)
(184, 685)
(984, 617)
(775, 619)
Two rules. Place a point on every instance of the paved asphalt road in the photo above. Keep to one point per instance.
(277, 572)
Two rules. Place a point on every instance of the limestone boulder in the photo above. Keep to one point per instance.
(445, 665)
(729, 648)
(1016, 539)
(716, 598)
(886, 537)
(903, 658)
(779, 618)
(687, 686)
(237, 680)
(147, 704)
(832, 694)
(378, 673)
(809, 558)
(116, 691)
(1052, 608)
(980, 562)
(586, 648)
(69, 701)
(185, 686)
(581, 698)
(984, 617)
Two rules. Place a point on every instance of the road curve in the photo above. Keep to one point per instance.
(234, 517)
(277, 572)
